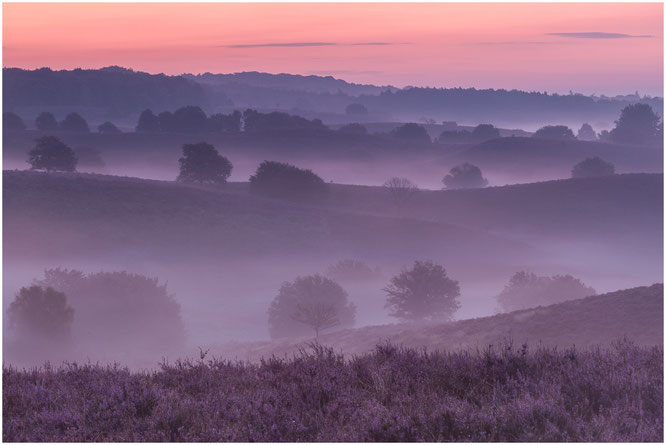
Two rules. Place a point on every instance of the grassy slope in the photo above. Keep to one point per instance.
(602, 319)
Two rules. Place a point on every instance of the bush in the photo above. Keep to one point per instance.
(411, 132)
(40, 313)
(280, 180)
(309, 303)
(527, 290)
(423, 292)
(51, 154)
(464, 176)
(555, 132)
(485, 132)
(202, 163)
(592, 167)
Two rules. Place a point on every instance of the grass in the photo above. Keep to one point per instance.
(391, 394)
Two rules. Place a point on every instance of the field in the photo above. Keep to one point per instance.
(507, 394)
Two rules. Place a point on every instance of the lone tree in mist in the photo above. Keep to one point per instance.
(46, 122)
(312, 302)
(74, 123)
(638, 124)
(592, 167)
(401, 191)
(586, 133)
(527, 290)
(464, 176)
(202, 163)
(51, 154)
(423, 292)
(280, 180)
(561, 132)
(40, 313)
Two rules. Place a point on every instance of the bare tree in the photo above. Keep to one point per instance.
(402, 190)
(317, 315)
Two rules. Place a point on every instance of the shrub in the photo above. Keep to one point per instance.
(555, 132)
(411, 132)
(280, 180)
(592, 167)
(485, 132)
(464, 176)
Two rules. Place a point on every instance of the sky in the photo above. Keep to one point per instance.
(589, 48)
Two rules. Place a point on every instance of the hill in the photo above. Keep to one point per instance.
(636, 314)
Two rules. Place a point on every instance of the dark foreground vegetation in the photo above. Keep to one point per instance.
(499, 394)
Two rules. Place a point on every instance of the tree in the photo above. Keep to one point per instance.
(108, 128)
(165, 121)
(485, 132)
(561, 132)
(189, 119)
(12, 121)
(41, 313)
(586, 133)
(401, 190)
(225, 123)
(356, 109)
(280, 180)
(74, 123)
(527, 290)
(51, 154)
(120, 311)
(592, 167)
(411, 132)
(202, 163)
(148, 122)
(423, 292)
(46, 122)
(353, 270)
(464, 176)
(605, 136)
(313, 302)
(637, 124)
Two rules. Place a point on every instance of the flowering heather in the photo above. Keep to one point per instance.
(392, 394)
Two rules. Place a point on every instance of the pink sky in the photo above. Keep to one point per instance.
(603, 48)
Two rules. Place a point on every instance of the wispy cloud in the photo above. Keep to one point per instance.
(598, 35)
(514, 43)
(307, 44)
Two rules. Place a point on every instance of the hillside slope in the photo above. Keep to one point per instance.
(636, 314)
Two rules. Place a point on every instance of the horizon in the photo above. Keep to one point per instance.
(593, 49)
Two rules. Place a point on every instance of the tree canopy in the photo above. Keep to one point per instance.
(51, 154)
(40, 312)
(586, 133)
(46, 122)
(411, 132)
(74, 123)
(464, 176)
(12, 121)
(423, 292)
(309, 303)
(638, 124)
(280, 180)
(592, 167)
(485, 132)
(108, 128)
(202, 163)
(555, 132)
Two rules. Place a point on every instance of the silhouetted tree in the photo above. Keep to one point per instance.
(527, 290)
(423, 292)
(148, 122)
(464, 176)
(46, 122)
(165, 121)
(276, 122)
(189, 119)
(226, 123)
(40, 313)
(592, 167)
(51, 154)
(555, 132)
(411, 132)
(353, 129)
(120, 311)
(356, 110)
(401, 190)
(313, 302)
(637, 124)
(586, 133)
(108, 128)
(485, 132)
(277, 179)
(74, 123)
(202, 163)
(12, 121)
(604, 136)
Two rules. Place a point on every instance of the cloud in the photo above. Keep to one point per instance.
(598, 35)
(307, 44)
(515, 43)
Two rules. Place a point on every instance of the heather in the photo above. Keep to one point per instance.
(499, 393)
